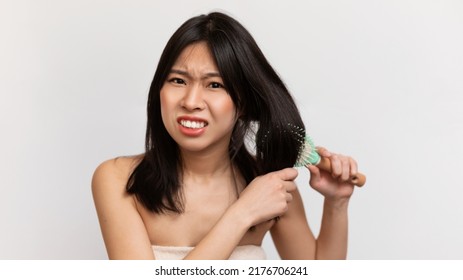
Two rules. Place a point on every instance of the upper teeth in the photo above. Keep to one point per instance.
(192, 124)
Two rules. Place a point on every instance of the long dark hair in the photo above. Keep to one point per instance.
(262, 101)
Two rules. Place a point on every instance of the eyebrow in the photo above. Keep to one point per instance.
(185, 73)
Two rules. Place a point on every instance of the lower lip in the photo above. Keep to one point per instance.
(192, 132)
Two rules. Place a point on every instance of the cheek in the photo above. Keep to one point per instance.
(226, 107)
(165, 104)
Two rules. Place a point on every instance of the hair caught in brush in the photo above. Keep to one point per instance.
(258, 93)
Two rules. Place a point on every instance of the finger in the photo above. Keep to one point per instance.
(314, 173)
(353, 167)
(290, 186)
(314, 170)
(287, 174)
(289, 197)
(323, 152)
(345, 163)
(336, 166)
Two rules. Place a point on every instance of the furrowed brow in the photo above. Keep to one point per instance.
(213, 75)
(186, 74)
(180, 72)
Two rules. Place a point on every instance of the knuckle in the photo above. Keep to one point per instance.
(293, 171)
(282, 207)
(279, 187)
(285, 207)
(272, 176)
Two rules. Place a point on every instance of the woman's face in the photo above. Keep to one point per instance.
(196, 109)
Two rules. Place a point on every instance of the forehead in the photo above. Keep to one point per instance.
(197, 57)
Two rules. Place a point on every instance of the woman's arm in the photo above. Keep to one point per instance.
(332, 241)
(292, 235)
(264, 198)
(123, 230)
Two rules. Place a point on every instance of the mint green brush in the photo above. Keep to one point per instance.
(308, 156)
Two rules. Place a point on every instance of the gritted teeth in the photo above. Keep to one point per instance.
(193, 124)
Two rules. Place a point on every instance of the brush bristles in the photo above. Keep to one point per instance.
(307, 154)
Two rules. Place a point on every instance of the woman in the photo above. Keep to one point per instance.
(199, 191)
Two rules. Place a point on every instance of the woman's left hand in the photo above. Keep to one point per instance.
(335, 185)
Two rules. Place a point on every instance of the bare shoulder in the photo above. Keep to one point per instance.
(113, 174)
(122, 226)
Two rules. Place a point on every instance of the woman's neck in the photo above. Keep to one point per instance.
(208, 171)
(207, 165)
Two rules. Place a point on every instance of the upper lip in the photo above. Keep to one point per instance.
(191, 118)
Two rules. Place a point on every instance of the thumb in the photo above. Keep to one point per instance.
(314, 173)
(287, 174)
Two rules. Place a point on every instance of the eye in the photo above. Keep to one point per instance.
(216, 85)
(177, 81)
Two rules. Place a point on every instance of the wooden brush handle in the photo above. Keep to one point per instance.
(359, 179)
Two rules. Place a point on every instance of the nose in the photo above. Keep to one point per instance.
(193, 99)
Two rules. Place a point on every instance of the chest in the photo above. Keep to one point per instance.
(202, 211)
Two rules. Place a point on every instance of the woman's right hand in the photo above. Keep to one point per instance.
(268, 196)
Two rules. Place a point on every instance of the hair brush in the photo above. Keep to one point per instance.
(308, 155)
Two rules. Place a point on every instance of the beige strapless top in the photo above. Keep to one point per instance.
(243, 252)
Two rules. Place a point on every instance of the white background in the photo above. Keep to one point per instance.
(379, 80)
